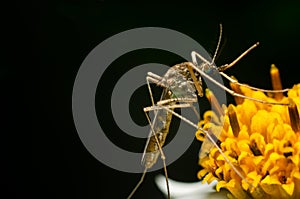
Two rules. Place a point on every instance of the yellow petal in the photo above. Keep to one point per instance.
(221, 184)
(246, 112)
(296, 193)
(202, 173)
(258, 160)
(209, 178)
(270, 185)
(236, 189)
(219, 172)
(243, 134)
(289, 188)
(269, 148)
(270, 180)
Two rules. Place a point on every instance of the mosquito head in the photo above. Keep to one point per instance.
(207, 68)
(204, 65)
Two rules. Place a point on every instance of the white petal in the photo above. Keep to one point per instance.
(189, 190)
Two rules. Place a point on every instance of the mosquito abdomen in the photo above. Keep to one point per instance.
(152, 150)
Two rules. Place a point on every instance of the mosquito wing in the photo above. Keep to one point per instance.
(160, 126)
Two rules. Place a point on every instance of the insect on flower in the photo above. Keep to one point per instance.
(180, 84)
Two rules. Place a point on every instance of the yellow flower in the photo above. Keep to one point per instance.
(262, 142)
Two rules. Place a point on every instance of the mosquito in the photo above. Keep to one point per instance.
(180, 85)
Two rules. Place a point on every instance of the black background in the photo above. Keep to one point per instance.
(43, 156)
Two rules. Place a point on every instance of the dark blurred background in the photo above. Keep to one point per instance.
(58, 35)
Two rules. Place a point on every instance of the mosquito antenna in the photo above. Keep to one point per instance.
(218, 45)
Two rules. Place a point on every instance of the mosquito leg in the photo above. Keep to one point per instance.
(153, 108)
(138, 184)
(181, 99)
(251, 87)
(210, 139)
(187, 103)
(231, 92)
(154, 79)
(194, 55)
(154, 76)
(182, 105)
(197, 82)
(156, 139)
(162, 155)
(196, 112)
(149, 89)
(151, 77)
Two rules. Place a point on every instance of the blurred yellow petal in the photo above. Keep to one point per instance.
(246, 112)
(235, 189)
(269, 148)
(289, 188)
(209, 178)
(270, 185)
(244, 135)
(258, 160)
(202, 173)
(221, 184)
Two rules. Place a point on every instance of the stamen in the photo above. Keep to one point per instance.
(233, 121)
(288, 154)
(294, 116)
(236, 88)
(254, 149)
(214, 102)
(282, 177)
(276, 82)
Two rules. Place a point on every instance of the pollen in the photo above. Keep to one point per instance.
(261, 140)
